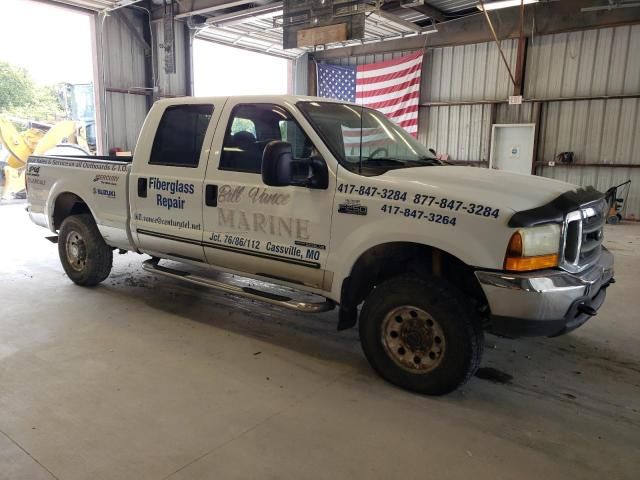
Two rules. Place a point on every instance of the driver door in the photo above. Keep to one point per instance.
(277, 232)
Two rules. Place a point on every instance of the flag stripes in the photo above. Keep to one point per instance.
(391, 87)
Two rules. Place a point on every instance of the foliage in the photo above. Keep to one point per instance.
(16, 87)
(20, 97)
(44, 106)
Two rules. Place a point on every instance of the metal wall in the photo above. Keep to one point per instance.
(121, 65)
(461, 131)
(564, 67)
(602, 62)
(467, 72)
(464, 73)
(124, 64)
(362, 59)
(589, 62)
(173, 84)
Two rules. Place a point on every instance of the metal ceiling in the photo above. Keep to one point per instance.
(454, 6)
(250, 24)
(257, 32)
(95, 5)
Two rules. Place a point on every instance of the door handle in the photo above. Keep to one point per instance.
(211, 195)
(142, 187)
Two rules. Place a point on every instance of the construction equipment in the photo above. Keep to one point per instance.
(37, 139)
(616, 202)
(77, 100)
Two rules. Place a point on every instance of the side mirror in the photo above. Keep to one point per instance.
(280, 168)
(277, 164)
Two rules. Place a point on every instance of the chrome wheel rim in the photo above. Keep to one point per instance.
(76, 251)
(413, 339)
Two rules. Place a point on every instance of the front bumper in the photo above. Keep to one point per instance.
(546, 302)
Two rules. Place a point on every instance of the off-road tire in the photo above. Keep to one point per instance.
(455, 319)
(94, 256)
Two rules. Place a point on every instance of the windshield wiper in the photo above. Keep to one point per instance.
(428, 160)
(425, 161)
(384, 160)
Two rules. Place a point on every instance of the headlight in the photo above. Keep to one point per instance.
(533, 248)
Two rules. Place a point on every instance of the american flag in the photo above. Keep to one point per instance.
(391, 87)
(355, 138)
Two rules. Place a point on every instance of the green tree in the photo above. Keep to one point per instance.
(44, 105)
(16, 87)
(20, 97)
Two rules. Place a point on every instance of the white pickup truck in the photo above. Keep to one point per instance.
(335, 200)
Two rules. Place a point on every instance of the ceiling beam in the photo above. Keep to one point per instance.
(393, 18)
(242, 15)
(91, 6)
(425, 9)
(552, 17)
(431, 12)
(185, 9)
(213, 8)
(272, 52)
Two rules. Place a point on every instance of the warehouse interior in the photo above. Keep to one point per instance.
(148, 378)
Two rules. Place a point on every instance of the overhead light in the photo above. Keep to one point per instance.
(505, 4)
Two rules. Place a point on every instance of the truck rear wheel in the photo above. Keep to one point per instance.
(84, 255)
(421, 334)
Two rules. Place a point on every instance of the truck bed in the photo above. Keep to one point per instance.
(100, 182)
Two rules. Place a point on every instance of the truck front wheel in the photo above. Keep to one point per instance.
(84, 255)
(421, 334)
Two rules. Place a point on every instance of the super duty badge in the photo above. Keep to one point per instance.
(352, 208)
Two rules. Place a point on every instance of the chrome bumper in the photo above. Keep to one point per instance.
(547, 302)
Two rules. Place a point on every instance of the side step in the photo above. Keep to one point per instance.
(247, 292)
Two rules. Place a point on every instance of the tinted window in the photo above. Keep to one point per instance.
(179, 137)
(251, 128)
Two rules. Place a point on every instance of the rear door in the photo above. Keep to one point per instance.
(166, 185)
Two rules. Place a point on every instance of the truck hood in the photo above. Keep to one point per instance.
(491, 187)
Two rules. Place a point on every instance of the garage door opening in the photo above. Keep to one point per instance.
(222, 70)
(47, 98)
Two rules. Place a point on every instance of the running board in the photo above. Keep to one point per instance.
(247, 292)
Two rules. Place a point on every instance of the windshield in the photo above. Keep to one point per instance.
(364, 140)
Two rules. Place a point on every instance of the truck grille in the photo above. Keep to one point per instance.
(582, 236)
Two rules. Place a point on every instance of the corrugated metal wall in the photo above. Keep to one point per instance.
(602, 62)
(461, 131)
(467, 72)
(123, 67)
(362, 59)
(463, 73)
(173, 84)
(589, 62)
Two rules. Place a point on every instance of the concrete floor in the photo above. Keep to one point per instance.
(143, 378)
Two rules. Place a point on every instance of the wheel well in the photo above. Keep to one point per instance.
(68, 204)
(390, 259)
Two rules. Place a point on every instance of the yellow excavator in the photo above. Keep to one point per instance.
(66, 137)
